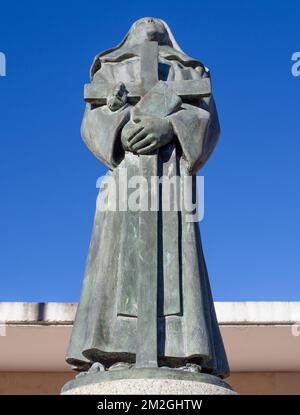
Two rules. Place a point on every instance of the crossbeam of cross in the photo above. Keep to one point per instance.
(97, 92)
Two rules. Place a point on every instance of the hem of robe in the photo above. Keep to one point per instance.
(109, 358)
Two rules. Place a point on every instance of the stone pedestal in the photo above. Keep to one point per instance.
(147, 382)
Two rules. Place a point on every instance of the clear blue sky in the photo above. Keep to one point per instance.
(251, 230)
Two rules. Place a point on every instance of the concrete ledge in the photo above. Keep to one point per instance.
(258, 312)
(37, 313)
(250, 312)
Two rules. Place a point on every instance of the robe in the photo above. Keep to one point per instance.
(105, 327)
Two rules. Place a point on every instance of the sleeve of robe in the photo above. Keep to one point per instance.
(100, 128)
(197, 130)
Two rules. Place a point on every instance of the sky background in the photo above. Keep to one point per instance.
(251, 228)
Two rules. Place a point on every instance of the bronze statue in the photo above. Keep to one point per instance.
(146, 300)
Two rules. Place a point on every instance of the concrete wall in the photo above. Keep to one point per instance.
(36, 383)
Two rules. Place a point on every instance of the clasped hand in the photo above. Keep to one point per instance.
(145, 134)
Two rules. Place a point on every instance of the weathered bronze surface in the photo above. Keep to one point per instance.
(146, 300)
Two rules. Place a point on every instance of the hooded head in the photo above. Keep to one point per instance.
(149, 28)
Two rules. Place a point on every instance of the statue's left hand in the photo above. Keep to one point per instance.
(145, 134)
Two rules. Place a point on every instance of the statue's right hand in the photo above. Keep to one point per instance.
(128, 132)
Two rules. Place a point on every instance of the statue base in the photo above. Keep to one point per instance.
(147, 382)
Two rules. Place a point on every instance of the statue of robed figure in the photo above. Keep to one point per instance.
(146, 298)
